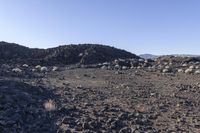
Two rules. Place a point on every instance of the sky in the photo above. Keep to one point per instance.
(139, 26)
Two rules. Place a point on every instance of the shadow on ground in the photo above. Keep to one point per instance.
(22, 108)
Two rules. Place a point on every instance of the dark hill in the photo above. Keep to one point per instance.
(67, 54)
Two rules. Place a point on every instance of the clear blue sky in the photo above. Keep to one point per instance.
(140, 26)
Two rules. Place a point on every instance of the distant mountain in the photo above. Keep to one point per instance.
(148, 56)
(185, 55)
(67, 54)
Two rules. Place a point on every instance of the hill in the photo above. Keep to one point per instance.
(67, 54)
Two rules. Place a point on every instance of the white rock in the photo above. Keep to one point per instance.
(165, 70)
(106, 63)
(165, 63)
(184, 65)
(197, 67)
(141, 60)
(197, 72)
(116, 61)
(124, 68)
(188, 70)
(25, 65)
(80, 55)
(38, 67)
(103, 67)
(132, 67)
(16, 70)
(166, 67)
(180, 70)
(117, 67)
(191, 67)
(55, 68)
(43, 69)
(197, 63)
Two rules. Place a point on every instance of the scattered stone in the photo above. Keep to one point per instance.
(55, 68)
(16, 70)
(191, 67)
(188, 71)
(180, 70)
(141, 60)
(5, 66)
(167, 67)
(33, 70)
(197, 72)
(117, 67)
(25, 65)
(38, 67)
(184, 65)
(43, 69)
(104, 67)
(165, 70)
(124, 68)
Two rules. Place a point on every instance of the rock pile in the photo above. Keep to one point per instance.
(172, 64)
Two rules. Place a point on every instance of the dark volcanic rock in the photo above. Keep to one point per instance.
(68, 54)
(21, 108)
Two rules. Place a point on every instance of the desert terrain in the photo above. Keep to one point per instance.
(123, 95)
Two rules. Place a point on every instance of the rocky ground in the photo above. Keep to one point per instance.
(126, 97)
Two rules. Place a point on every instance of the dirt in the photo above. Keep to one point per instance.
(98, 100)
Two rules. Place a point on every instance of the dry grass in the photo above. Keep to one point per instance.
(50, 105)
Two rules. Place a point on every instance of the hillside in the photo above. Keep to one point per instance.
(67, 54)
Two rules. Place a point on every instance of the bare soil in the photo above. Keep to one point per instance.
(97, 100)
